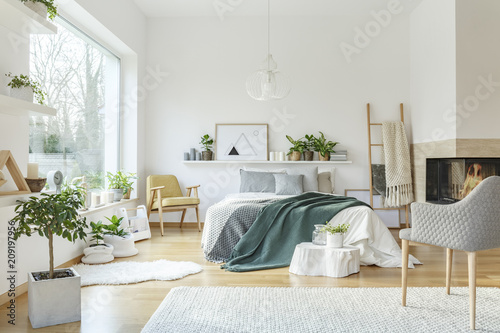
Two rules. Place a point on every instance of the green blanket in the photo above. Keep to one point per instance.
(280, 226)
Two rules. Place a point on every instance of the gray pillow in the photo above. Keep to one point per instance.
(289, 184)
(251, 181)
(310, 176)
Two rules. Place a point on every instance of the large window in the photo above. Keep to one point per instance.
(82, 80)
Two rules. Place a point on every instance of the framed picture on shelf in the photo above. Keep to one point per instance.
(241, 142)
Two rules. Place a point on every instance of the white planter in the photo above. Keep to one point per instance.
(37, 7)
(123, 246)
(24, 93)
(334, 240)
(100, 254)
(53, 302)
(118, 193)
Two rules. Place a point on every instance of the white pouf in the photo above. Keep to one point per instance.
(319, 260)
(123, 246)
(100, 254)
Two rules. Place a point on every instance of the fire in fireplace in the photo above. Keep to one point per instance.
(450, 180)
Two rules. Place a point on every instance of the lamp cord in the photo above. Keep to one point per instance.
(268, 34)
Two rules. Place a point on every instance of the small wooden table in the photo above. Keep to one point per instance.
(320, 260)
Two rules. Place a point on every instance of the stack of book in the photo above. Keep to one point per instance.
(339, 155)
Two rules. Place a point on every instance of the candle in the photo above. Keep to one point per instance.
(186, 156)
(111, 197)
(192, 154)
(198, 156)
(96, 199)
(282, 155)
(272, 156)
(104, 197)
(32, 171)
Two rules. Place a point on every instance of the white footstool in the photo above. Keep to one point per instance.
(319, 260)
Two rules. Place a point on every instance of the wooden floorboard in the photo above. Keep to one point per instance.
(127, 308)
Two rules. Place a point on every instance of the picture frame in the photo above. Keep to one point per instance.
(241, 142)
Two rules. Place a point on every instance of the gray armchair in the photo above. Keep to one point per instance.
(470, 225)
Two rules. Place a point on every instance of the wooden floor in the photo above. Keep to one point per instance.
(127, 308)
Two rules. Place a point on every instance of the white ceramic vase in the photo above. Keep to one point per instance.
(122, 246)
(335, 240)
(99, 254)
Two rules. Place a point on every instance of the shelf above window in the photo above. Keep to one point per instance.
(18, 107)
(15, 16)
(267, 162)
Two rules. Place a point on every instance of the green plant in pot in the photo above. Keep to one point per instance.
(98, 252)
(121, 240)
(335, 234)
(50, 216)
(324, 147)
(207, 143)
(42, 7)
(297, 149)
(22, 87)
(121, 184)
(309, 147)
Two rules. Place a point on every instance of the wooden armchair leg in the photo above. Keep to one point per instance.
(471, 256)
(198, 218)
(404, 268)
(182, 217)
(449, 261)
(160, 214)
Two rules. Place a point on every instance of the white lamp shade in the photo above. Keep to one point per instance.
(265, 85)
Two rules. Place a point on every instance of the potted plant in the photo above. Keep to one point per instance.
(323, 147)
(121, 240)
(98, 252)
(42, 7)
(309, 147)
(207, 143)
(335, 234)
(297, 149)
(22, 87)
(121, 184)
(54, 295)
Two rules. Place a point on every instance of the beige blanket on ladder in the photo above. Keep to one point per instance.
(397, 165)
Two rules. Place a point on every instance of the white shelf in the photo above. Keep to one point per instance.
(18, 107)
(267, 162)
(15, 16)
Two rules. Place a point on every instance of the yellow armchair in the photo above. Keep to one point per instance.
(164, 195)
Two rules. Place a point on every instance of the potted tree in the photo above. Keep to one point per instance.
(323, 147)
(297, 149)
(98, 252)
(42, 7)
(54, 295)
(309, 147)
(335, 234)
(121, 240)
(22, 87)
(121, 184)
(207, 143)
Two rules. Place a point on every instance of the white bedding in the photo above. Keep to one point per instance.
(367, 231)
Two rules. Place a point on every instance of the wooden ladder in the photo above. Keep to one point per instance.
(370, 146)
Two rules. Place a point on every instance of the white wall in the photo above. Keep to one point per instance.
(209, 61)
(433, 71)
(478, 61)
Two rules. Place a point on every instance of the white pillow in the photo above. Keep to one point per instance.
(310, 176)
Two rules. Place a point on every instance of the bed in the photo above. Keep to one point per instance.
(228, 220)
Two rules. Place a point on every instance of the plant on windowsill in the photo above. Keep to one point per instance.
(335, 234)
(121, 240)
(309, 147)
(297, 149)
(51, 215)
(207, 143)
(323, 147)
(121, 184)
(42, 7)
(98, 252)
(22, 87)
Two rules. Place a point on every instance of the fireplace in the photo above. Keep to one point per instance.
(449, 180)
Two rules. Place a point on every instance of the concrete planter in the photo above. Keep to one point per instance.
(23, 93)
(122, 246)
(335, 240)
(99, 254)
(295, 156)
(53, 302)
(118, 194)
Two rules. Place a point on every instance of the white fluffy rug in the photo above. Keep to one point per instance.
(133, 271)
(239, 309)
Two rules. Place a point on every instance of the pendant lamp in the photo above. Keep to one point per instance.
(268, 83)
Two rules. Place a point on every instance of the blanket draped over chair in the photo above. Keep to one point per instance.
(280, 226)
(399, 185)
